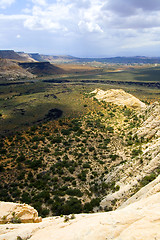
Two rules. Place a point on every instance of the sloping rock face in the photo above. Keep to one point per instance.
(119, 97)
(145, 192)
(138, 220)
(130, 175)
(150, 156)
(18, 213)
(151, 125)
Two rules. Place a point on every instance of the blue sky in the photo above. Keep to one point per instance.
(84, 28)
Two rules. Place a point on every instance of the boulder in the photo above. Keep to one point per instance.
(18, 213)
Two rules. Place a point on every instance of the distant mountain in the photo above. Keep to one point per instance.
(116, 60)
(59, 59)
(36, 56)
(11, 54)
(123, 60)
(27, 57)
(11, 70)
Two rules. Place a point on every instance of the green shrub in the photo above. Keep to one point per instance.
(21, 158)
(73, 205)
(1, 168)
(44, 212)
(113, 156)
(136, 152)
(110, 129)
(117, 188)
(86, 165)
(46, 150)
(26, 198)
(147, 179)
(74, 192)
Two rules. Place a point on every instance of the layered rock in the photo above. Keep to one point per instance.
(119, 97)
(151, 125)
(18, 213)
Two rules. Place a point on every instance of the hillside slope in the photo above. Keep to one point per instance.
(11, 70)
(144, 164)
(41, 68)
(94, 162)
(27, 56)
(11, 54)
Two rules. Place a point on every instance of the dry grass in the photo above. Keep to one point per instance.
(73, 68)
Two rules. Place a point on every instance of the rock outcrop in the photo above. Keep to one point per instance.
(18, 213)
(145, 192)
(138, 220)
(151, 125)
(119, 97)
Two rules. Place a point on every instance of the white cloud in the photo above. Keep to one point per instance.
(6, 3)
(76, 16)
(39, 2)
(35, 23)
(52, 18)
(89, 16)
(89, 27)
(101, 23)
(13, 17)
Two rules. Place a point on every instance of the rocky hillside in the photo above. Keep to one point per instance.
(144, 163)
(27, 56)
(107, 159)
(37, 57)
(11, 54)
(42, 68)
(11, 70)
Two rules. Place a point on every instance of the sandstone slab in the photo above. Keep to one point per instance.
(119, 97)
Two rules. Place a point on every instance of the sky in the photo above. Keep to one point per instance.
(81, 28)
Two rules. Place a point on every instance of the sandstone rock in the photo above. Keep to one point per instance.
(136, 221)
(18, 213)
(151, 125)
(119, 97)
(145, 192)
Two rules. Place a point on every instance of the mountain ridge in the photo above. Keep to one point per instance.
(22, 56)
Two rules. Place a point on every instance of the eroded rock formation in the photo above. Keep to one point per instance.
(18, 213)
(119, 97)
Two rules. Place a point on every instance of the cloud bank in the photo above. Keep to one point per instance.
(6, 3)
(99, 24)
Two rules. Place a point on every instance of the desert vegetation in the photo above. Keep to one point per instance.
(61, 150)
(59, 167)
